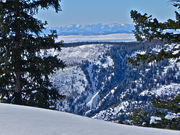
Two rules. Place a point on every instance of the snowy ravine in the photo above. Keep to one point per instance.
(20, 120)
(98, 81)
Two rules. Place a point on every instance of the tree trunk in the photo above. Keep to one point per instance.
(18, 87)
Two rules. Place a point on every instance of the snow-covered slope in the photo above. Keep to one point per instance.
(20, 120)
(99, 82)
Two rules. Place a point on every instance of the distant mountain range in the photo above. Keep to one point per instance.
(91, 29)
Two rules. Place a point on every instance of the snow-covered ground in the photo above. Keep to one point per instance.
(120, 37)
(92, 80)
(20, 120)
(73, 73)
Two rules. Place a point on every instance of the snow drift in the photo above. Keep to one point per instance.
(20, 120)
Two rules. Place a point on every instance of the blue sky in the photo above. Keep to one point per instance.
(105, 11)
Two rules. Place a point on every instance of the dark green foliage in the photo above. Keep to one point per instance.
(161, 109)
(139, 117)
(164, 106)
(176, 3)
(24, 65)
(148, 28)
(149, 57)
(172, 105)
(169, 124)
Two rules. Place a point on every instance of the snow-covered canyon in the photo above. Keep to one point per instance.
(99, 82)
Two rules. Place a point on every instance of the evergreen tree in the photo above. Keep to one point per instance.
(162, 108)
(24, 65)
(139, 117)
(148, 28)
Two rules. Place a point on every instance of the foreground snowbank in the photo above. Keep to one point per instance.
(20, 120)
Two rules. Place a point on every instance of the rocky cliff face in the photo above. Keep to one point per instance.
(98, 82)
